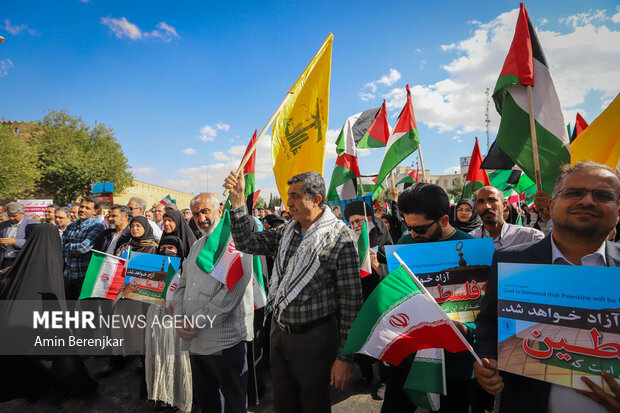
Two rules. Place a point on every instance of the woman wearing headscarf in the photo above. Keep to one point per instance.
(176, 225)
(464, 216)
(36, 276)
(393, 225)
(142, 238)
(167, 367)
(511, 215)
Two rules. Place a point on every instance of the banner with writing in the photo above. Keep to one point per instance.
(557, 323)
(150, 277)
(455, 273)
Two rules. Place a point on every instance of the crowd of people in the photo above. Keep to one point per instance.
(314, 290)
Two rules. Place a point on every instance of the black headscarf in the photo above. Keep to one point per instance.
(474, 221)
(176, 242)
(513, 216)
(147, 240)
(182, 231)
(395, 227)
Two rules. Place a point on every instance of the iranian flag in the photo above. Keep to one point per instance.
(410, 178)
(219, 258)
(166, 200)
(258, 283)
(402, 142)
(476, 176)
(343, 184)
(368, 129)
(104, 276)
(363, 247)
(526, 65)
(249, 174)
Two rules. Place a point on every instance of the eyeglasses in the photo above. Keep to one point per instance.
(463, 210)
(357, 222)
(603, 196)
(419, 229)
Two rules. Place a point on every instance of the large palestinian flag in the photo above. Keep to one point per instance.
(402, 142)
(219, 258)
(369, 129)
(526, 65)
(476, 176)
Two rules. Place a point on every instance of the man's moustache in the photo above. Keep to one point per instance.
(595, 211)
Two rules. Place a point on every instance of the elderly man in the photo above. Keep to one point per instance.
(138, 206)
(585, 208)
(490, 205)
(77, 242)
(218, 350)
(158, 214)
(62, 219)
(13, 233)
(314, 292)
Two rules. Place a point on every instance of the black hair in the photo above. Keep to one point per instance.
(93, 200)
(422, 198)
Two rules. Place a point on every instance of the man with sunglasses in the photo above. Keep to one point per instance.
(585, 208)
(424, 209)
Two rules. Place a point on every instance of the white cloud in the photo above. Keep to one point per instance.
(457, 139)
(145, 171)
(179, 184)
(222, 126)
(5, 66)
(85, 1)
(221, 156)
(14, 30)
(582, 19)
(368, 90)
(542, 21)
(457, 103)
(189, 151)
(418, 50)
(452, 170)
(422, 64)
(207, 133)
(616, 17)
(124, 28)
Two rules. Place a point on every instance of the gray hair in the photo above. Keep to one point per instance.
(568, 169)
(63, 209)
(141, 202)
(312, 184)
(14, 208)
(207, 196)
(123, 209)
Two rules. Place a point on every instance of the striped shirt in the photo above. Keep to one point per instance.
(335, 288)
(77, 240)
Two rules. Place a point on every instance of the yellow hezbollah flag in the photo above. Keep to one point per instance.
(298, 134)
(600, 142)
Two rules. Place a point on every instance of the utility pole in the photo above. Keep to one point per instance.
(487, 120)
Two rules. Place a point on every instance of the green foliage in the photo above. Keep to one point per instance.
(260, 202)
(456, 190)
(274, 201)
(18, 168)
(72, 155)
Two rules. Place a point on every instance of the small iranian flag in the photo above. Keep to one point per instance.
(402, 142)
(258, 283)
(343, 184)
(476, 176)
(526, 66)
(166, 200)
(363, 247)
(219, 258)
(104, 276)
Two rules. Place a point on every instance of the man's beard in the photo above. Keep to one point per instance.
(435, 236)
(207, 232)
(490, 218)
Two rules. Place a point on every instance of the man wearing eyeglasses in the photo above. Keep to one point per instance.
(137, 206)
(585, 208)
(490, 205)
(424, 209)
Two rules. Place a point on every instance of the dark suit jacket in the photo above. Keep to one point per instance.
(25, 227)
(520, 394)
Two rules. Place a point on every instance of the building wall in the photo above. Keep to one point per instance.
(446, 181)
(152, 194)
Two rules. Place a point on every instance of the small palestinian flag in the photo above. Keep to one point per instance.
(104, 276)
(427, 379)
(363, 249)
(343, 184)
(258, 283)
(476, 177)
(166, 200)
(368, 129)
(580, 126)
(219, 258)
(367, 184)
(411, 178)
(249, 174)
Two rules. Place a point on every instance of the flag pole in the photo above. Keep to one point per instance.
(422, 162)
(252, 149)
(438, 308)
(530, 104)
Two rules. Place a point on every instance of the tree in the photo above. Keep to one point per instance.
(457, 189)
(72, 155)
(274, 201)
(18, 168)
(260, 202)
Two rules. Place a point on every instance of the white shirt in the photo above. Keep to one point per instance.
(156, 230)
(565, 399)
(510, 235)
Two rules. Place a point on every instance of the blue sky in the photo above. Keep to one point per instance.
(184, 84)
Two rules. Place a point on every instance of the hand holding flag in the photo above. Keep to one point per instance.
(235, 184)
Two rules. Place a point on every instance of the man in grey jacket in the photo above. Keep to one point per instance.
(222, 320)
(13, 233)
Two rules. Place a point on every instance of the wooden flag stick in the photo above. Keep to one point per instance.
(253, 147)
(437, 308)
(393, 184)
(530, 104)
(422, 162)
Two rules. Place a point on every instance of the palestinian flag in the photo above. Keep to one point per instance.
(367, 184)
(476, 177)
(219, 258)
(526, 65)
(343, 184)
(411, 178)
(398, 318)
(104, 276)
(249, 170)
(363, 247)
(580, 125)
(166, 200)
(402, 142)
(368, 129)
(258, 283)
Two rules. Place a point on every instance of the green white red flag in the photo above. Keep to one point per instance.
(476, 176)
(258, 283)
(219, 258)
(402, 142)
(363, 251)
(249, 171)
(343, 184)
(166, 200)
(526, 65)
(104, 276)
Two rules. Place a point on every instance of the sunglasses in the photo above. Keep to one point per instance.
(419, 229)
(603, 196)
